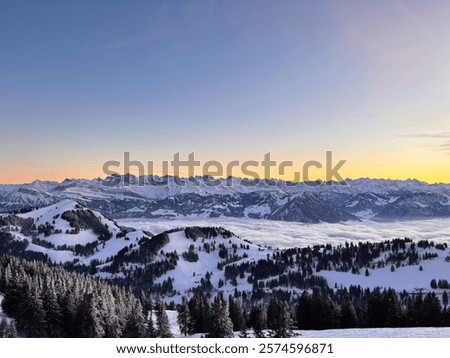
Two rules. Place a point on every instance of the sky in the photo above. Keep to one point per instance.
(83, 82)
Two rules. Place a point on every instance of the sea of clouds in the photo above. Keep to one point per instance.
(280, 234)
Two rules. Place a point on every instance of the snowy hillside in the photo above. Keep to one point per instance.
(358, 280)
(68, 232)
(189, 259)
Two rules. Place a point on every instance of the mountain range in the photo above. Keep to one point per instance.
(312, 202)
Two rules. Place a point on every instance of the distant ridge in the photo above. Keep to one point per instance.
(149, 197)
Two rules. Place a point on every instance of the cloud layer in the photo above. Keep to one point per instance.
(287, 234)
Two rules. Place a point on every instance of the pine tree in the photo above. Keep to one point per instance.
(151, 331)
(114, 317)
(432, 311)
(197, 312)
(32, 318)
(414, 311)
(279, 319)
(221, 324)
(393, 309)
(11, 331)
(146, 303)
(258, 320)
(69, 312)
(349, 319)
(207, 314)
(184, 318)
(53, 314)
(88, 318)
(433, 284)
(236, 314)
(304, 310)
(3, 327)
(375, 310)
(445, 298)
(244, 331)
(162, 321)
(201, 314)
(135, 326)
(7, 329)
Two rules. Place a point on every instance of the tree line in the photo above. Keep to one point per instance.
(316, 310)
(52, 302)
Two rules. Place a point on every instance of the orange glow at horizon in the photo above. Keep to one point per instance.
(429, 172)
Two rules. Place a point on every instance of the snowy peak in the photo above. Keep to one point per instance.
(70, 217)
(67, 232)
(417, 205)
(170, 197)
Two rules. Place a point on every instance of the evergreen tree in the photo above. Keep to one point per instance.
(114, 314)
(445, 298)
(375, 310)
(88, 318)
(279, 319)
(393, 309)
(304, 309)
(135, 326)
(53, 313)
(414, 311)
(236, 314)
(221, 324)
(7, 329)
(31, 321)
(349, 318)
(69, 312)
(244, 331)
(150, 325)
(431, 311)
(162, 321)
(11, 331)
(146, 303)
(433, 284)
(3, 327)
(184, 318)
(258, 320)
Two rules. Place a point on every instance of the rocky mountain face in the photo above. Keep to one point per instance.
(310, 208)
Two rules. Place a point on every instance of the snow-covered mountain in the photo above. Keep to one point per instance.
(185, 261)
(156, 197)
(65, 232)
(310, 208)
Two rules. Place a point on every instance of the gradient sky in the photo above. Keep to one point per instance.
(81, 82)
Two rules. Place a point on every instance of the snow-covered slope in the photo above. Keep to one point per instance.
(209, 259)
(69, 232)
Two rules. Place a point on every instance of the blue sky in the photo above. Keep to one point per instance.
(81, 82)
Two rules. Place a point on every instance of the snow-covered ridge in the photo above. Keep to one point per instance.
(130, 196)
(69, 232)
